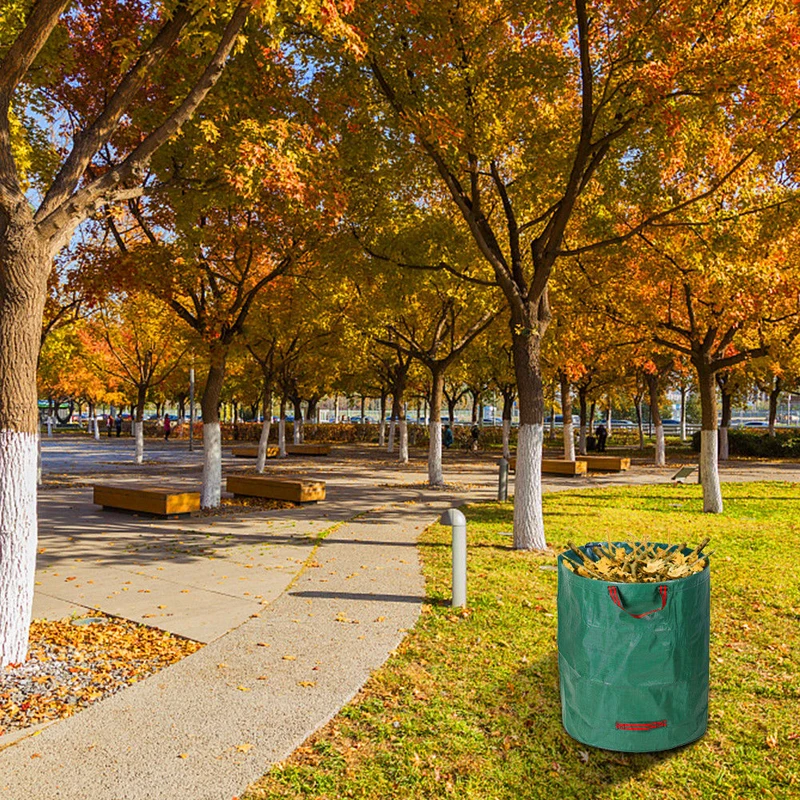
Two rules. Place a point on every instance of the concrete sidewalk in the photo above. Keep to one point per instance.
(214, 722)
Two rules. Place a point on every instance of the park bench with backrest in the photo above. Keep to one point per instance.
(251, 451)
(160, 502)
(296, 490)
(606, 463)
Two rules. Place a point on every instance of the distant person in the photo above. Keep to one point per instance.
(475, 433)
(447, 438)
(109, 424)
(119, 425)
(602, 435)
(167, 427)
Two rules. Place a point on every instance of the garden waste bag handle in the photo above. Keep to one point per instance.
(614, 593)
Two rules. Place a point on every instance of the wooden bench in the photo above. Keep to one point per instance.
(556, 466)
(560, 466)
(308, 449)
(606, 463)
(293, 489)
(162, 502)
(251, 451)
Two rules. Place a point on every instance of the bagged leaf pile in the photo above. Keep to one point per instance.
(637, 562)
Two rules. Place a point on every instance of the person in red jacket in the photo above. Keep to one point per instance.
(167, 428)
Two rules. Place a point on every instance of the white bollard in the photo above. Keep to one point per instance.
(458, 522)
(49, 426)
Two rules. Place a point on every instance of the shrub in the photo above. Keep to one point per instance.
(742, 442)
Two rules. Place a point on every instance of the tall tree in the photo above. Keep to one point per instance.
(116, 81)
(528, 112)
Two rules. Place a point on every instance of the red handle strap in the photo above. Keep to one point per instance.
(641, 726)
(614, 593)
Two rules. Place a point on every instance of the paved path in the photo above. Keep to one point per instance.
(294, 624)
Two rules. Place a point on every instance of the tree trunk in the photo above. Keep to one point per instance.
(639, 421)
(297, 428)
(476, 399)
(363, 408)
(402, 455)
(451, 411)
(709, 469)
(592, 411)
(508, 408)
(138, 425)
(683, 413)
(608, 417)
(312, 414)
(566, 416)
(528, 516)
(655, 417)
(392, 426)
(773, 404)
(723, 451)
(382, 424)
(435, 476)
(211, 491)
(24, 267)
(282, 429)
(263, 440)
(583, 426)
(552, 433)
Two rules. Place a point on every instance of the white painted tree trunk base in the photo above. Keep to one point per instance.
(661, 448)
(582, 440)
(569, 442)
(724, 447)
(96, 429)
(402, 455)
(390, 445)
(506, 439)
(709, 473)
(138, 437)
(261, 461)
(435, 475)
(18, 534)
(528, 515)
(382, 434)
(211, 493)
(282, 438)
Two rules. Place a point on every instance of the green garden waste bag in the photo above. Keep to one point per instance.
(633, 659)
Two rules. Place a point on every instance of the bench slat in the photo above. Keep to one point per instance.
(293, 490)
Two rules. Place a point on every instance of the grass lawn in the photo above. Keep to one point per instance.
(468, 706)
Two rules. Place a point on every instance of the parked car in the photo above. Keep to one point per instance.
(756, 423)
(622, 423)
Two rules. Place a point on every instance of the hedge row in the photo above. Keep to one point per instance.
(785, 443)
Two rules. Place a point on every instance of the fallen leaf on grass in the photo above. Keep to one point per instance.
(290, 658)
(306, 683)
(244, 748)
